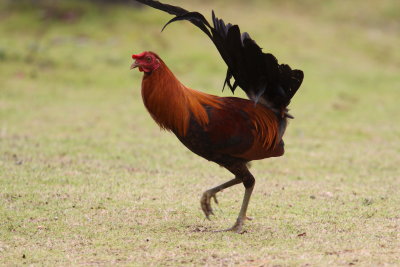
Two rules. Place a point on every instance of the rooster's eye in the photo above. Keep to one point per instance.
(148, 59)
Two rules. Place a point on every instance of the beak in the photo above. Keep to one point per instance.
(134, 65)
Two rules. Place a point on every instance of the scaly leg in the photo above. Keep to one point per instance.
(248, 180)
(237, 227)
(205, 200)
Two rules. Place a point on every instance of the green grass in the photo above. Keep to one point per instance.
(87, 178)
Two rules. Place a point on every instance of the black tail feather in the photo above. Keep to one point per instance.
(173, 10)
(194, 17)
(258, 74)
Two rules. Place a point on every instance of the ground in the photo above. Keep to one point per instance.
(87, 178)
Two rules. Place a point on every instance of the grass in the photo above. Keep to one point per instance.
(87, 178)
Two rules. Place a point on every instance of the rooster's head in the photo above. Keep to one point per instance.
(146, 61)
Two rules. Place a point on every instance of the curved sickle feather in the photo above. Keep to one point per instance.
(194, 17)
(173, 10)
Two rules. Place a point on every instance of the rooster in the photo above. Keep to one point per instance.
(229, 131)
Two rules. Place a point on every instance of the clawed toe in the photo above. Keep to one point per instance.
(236, 228)
(205, 202)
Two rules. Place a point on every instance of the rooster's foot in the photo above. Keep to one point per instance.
(236, 228)
(205, 202)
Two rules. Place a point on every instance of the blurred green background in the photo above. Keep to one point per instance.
(87, 178)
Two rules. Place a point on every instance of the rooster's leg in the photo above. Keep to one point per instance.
(211, 193)
(248, 180)
(237, 227)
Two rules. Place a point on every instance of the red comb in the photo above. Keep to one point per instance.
(138, 55)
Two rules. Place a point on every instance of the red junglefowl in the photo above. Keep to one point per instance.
(229, 131)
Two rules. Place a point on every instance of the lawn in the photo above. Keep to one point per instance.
(87, 178)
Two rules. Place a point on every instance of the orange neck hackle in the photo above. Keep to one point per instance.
(171, 104)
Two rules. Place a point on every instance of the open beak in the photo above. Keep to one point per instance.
(134, 65)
